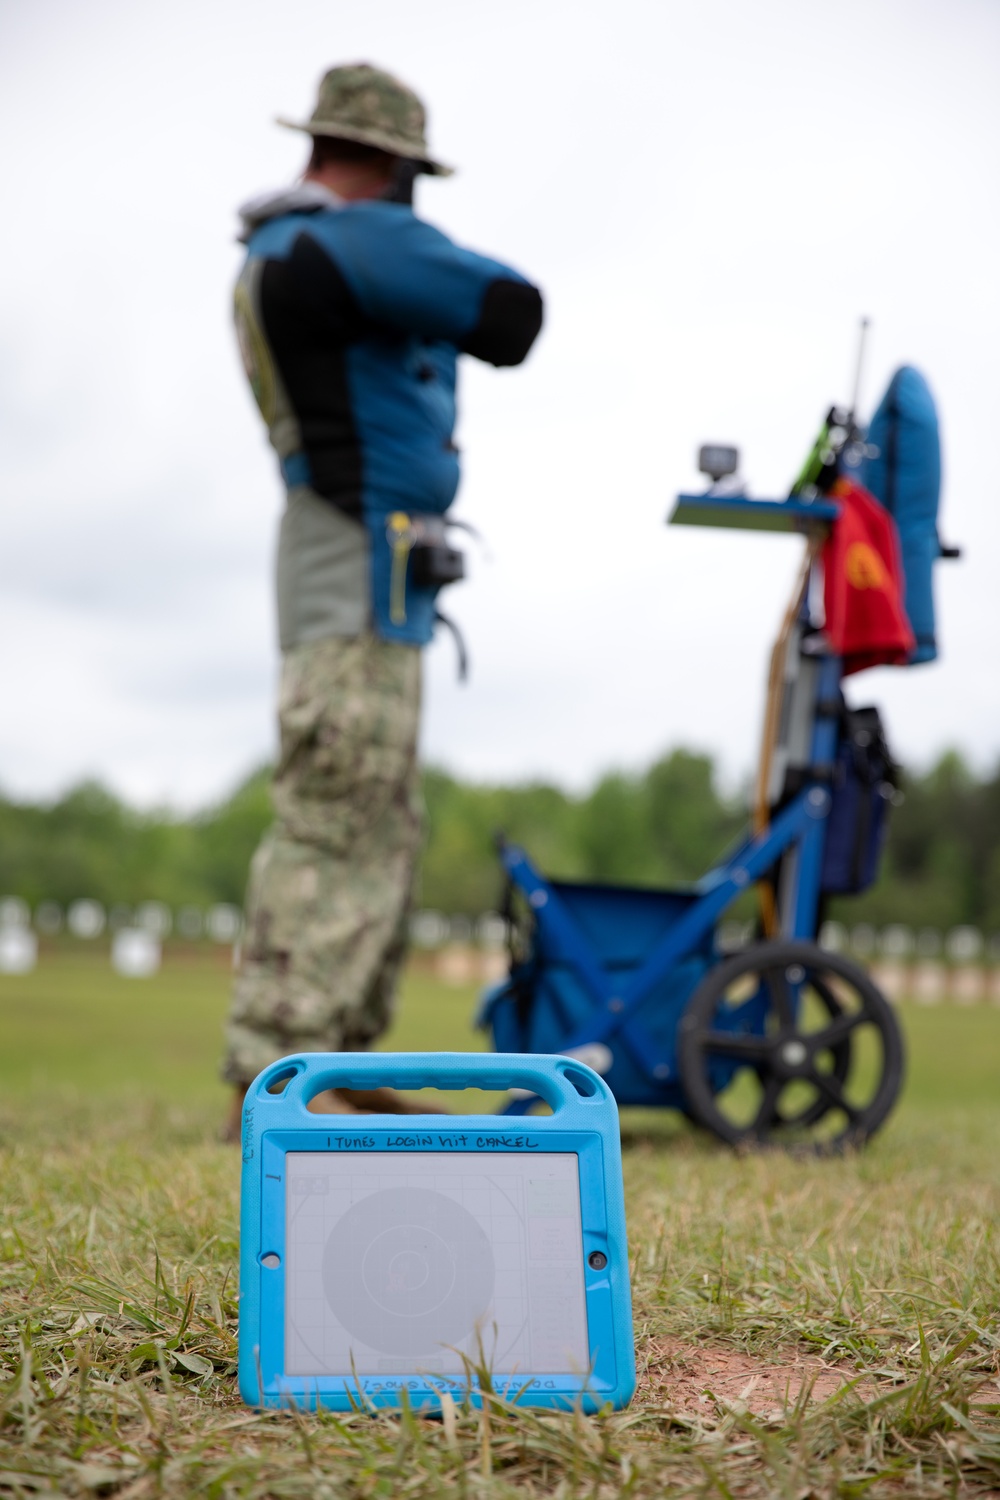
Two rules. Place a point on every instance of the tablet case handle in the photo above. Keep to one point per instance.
(562, 1082)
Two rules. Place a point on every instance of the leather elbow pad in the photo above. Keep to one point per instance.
(509, 321)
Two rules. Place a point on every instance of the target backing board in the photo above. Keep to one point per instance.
(389, 1253)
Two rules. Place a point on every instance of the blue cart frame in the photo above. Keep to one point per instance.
(612, 975)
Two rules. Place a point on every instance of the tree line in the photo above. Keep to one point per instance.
(667, 824)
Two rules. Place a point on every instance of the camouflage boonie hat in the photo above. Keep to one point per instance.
(361, 103)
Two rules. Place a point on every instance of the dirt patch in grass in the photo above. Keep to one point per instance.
(697, 1378)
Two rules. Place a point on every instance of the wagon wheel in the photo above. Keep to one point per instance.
(786, 1044)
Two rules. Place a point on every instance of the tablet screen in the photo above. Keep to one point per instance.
(399, 1263)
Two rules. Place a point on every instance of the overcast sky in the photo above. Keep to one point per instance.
(710, 194)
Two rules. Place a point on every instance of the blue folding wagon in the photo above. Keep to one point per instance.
(780, 1040)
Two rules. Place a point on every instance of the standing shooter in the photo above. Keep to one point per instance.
(351, 313)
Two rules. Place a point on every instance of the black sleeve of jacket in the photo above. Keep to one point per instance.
(509, 321)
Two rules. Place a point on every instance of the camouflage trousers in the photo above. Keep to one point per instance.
(330, 884)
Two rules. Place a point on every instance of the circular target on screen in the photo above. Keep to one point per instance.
(407, 1270)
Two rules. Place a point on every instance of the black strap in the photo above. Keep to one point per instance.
(862, 832)
(459, 639)
(874, 769)
(890, 456)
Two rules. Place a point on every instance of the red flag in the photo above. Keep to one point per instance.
(863, 583)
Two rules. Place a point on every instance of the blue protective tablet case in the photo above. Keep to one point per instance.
(408, 1260)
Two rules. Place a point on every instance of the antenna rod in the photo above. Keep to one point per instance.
(862, 334)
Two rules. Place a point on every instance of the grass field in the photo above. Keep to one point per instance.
(803, 1328)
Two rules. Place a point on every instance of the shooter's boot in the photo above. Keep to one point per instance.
(231, 1130)
(334, 1102)
(369, 1102)
(327, 1103)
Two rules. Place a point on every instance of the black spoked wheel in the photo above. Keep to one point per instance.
(786, 1044)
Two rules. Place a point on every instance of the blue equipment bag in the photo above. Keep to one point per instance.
(545, 1000)
(429, 1254)
(904, 474)
(864, 778)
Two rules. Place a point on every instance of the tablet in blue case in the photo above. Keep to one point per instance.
(386, 1253)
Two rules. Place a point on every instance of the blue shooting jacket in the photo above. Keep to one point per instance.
(350, 318)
